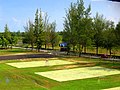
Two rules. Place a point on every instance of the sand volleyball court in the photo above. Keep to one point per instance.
(78, 73)
(39, 63)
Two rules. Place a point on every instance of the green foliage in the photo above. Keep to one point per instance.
(46, 30)
(8, 38)
(7, 33)
(98, 27)
(78, 25)
(53, 35)
(109, 37)
(14, 38)
(5, 42)
(38, 32)
(81, 30)
(41, 32)
(69, 33)
(117, 33)
(29, 37)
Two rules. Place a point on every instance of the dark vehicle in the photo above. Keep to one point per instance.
(63, 46)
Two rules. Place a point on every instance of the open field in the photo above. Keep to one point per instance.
(26, 79)
(12, 78)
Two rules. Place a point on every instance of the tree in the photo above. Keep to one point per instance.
(7, 36)
(77, 25)
(39, 37)
(46, 30)
(86, 31)
(5, 42)
(98, 27)
(29, 29)
(69, 32)
(109, 38)
(0, 41)
(14, 39)
(53, 35)
(117, 33)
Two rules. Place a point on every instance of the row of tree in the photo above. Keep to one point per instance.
(8, 38)
(41, 32)
(82, 30)
(38, 33)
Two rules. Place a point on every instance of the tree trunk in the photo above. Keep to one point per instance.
(11, 46)
(68, 50)
(85, 49)
(96, 50)
(73, 48)
(52, 46)
(110, 51)
(32, 45)
(80, 50)
(45, 46)
(107, 51)
(38, 48)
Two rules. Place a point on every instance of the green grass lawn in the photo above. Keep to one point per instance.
(14, 51)
(12, 78)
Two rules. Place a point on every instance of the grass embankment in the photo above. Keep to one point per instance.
(15, 51)
(12, 78)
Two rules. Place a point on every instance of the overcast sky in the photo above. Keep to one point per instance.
(16, 13)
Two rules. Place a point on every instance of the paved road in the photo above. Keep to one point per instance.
(24, 56)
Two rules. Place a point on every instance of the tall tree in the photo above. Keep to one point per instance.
(98, 27)
(39, 29)
(46, 30)
(7, 35)
(109, 38)
(53, 35)
(117, 33)
(77, 25)
(86, 32)
(70, 23)
(29, 29)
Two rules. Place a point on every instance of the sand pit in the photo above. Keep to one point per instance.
(39, 63)
(78, 73)
(116, 88)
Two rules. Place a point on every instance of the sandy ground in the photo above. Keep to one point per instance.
(116, 88)
(39, 63)
(78, 73)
